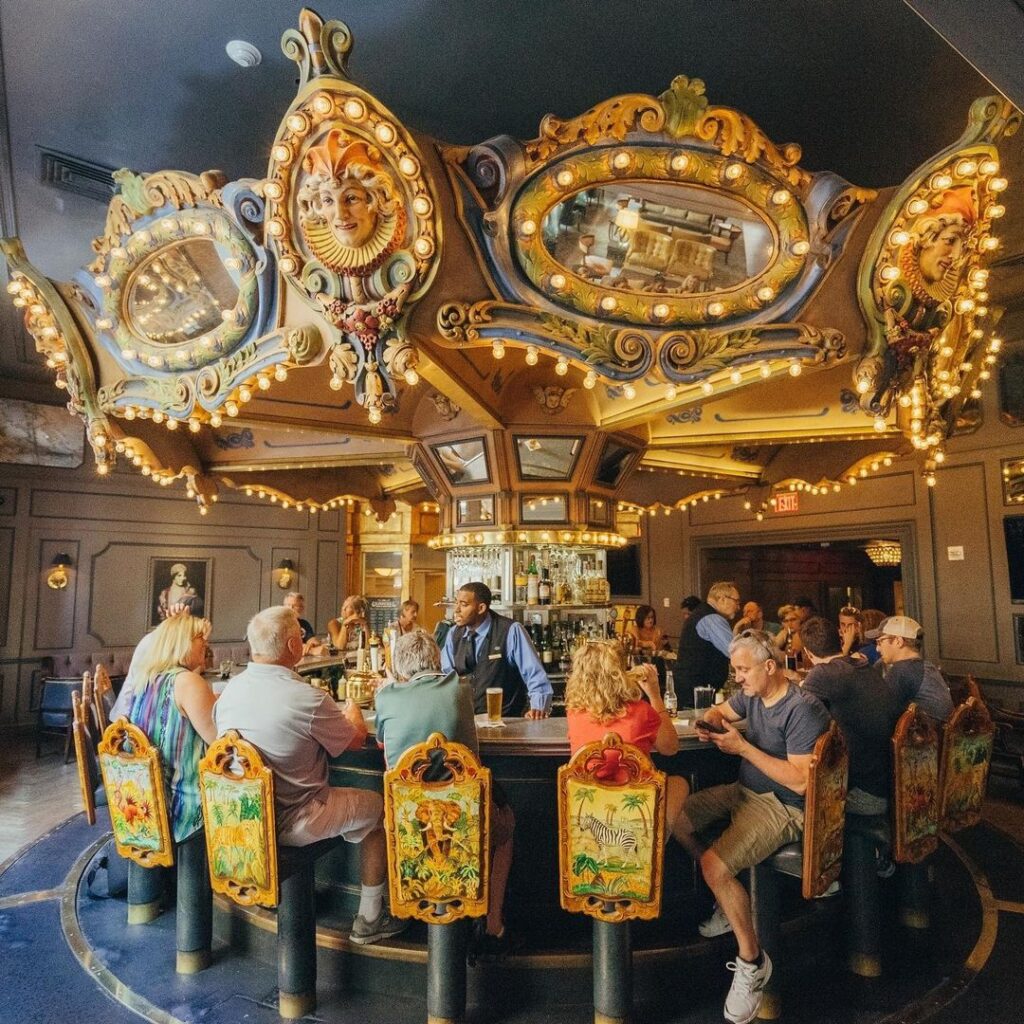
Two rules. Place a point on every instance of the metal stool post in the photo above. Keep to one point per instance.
(613, 972)
(766, 909)
(446, 973)
(145, 893)
(863, 904)
(194, 923)
(296, 944)
(914, 896)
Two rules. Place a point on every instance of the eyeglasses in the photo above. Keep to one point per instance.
(882, 639)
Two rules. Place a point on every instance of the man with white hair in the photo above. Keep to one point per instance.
(296, 728)
(763, 810)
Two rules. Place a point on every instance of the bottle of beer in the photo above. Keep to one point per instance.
(532, 582)
(544, 588)
(520, 583)
(671, 701)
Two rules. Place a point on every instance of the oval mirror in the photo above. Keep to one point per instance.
(659, 238)
(182, 290)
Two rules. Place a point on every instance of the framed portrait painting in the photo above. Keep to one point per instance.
(177, 581)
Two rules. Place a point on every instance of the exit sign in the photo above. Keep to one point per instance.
(788, 501)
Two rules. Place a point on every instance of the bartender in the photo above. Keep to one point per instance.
(491, 650)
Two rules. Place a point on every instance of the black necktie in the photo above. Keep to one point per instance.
(467, 653)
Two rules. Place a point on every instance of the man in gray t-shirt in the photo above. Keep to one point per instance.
(912, 679)
(765, 808)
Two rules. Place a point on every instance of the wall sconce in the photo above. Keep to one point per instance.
(57, 577)
(286, 573)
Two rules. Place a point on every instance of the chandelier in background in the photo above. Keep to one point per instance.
(884, 552)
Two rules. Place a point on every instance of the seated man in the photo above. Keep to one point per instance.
(912, 679)
(864, 707)
(424, 700)
(765, 808)
(310, 644)
(296, 727)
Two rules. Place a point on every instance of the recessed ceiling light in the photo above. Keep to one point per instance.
(244, 54)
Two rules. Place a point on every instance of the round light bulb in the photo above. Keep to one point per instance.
(707, 387)
(412, 378)
(629, 392)
(590, 380)
(795, 369)
(531, 355)
(498, 350)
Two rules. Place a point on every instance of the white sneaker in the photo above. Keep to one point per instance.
(747, 990)
(716, 924)
(832, 890)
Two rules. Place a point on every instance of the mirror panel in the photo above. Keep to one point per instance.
(181, 292)
(599, 511)
(1013, 481)
(547, 458)
(544, 508)
(658, 238)
(475, 511)
(614, 460)
(464, 462)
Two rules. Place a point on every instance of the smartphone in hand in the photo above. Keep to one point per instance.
(706, 726)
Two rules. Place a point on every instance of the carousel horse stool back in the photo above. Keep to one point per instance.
(248, 867)
(967, 742)
(611, 847)
(816, 859)
(103, 697)
(90, 784)
(137, 800)
(437, 814)
(915, 809)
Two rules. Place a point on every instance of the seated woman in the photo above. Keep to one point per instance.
(647, 637)
(350, 630)
(173, 705)
(601, 696)
(423, 700)
(787, 639)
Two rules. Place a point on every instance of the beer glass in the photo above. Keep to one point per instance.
(494, 696)
(703, 697)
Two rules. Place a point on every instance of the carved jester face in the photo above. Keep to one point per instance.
(349, 210)
(936, 254)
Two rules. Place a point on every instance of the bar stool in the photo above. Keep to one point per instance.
(611, 824)
(437, 816)
(132, 778)
(247, 865)
(816, 859)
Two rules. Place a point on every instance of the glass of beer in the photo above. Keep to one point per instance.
(494, 696)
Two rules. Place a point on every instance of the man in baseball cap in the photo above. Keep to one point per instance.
(910, 677)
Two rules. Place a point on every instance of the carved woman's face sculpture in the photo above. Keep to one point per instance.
(350, 210)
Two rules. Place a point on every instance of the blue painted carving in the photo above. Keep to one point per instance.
(239, 439)
(691, 415)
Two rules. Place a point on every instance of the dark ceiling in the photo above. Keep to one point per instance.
(864, 86)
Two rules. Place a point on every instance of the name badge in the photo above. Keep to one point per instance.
(493, 657)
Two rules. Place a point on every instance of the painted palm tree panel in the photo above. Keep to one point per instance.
(437, 824)
(238, 813)
(966, 755)
(611, 842)
(916, 787)
(238, 840)
(611, 820)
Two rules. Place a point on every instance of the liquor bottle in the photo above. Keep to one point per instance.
(532, 582)
(547, 654)
(544, 588)
(375, 652)
(671, 701)
(520, 584)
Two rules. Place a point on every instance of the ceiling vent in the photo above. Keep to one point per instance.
(72, 174)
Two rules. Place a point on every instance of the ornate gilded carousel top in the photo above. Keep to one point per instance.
(651, 284)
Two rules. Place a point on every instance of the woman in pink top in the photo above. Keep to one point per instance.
(601, 696)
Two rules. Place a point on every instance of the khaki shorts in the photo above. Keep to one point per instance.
(349, 813)
(759, 823)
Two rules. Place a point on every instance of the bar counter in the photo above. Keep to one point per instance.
(524, 756)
